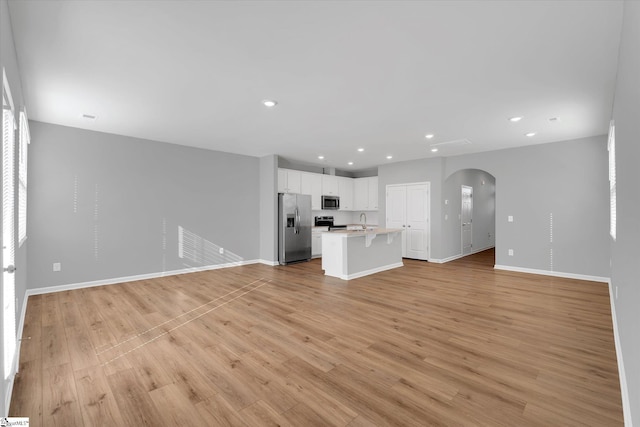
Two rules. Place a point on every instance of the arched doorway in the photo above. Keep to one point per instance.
(468, 213)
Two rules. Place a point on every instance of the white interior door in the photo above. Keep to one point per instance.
(417, 232)
(8, 233)
(407, 207)
(466, 217)
(396, 210)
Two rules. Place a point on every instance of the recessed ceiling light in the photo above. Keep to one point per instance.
(361, 149)
(269, 103)
(350, 163)
(515, 119)
(89, 116)
(530, 134)
(554, 119)
(321, 157)
(434, 150)
(429, 135)
(389, 157)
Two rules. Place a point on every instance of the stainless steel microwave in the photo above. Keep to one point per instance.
(331, 202)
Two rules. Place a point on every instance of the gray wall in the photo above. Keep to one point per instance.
(625, 251)
(307, 167)
(567, 179)
(268, 208)
(9, 62)
(484, 211)
(423, 170)
(109, 206)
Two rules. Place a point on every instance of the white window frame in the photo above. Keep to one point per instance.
(611, 146)
(8, 286)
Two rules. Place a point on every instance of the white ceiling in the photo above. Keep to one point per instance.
(346, 74)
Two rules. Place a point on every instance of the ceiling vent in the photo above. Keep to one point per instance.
(453, 143)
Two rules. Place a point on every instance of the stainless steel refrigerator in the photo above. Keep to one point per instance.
(294, 227)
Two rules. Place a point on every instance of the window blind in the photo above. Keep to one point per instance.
(23, 147)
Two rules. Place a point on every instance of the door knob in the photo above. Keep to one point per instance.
(10, 269)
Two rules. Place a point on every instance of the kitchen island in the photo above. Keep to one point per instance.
(349, 254)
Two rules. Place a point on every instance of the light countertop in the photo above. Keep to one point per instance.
(369, 231)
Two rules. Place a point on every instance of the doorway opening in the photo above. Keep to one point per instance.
(468, 214)
(466, 220)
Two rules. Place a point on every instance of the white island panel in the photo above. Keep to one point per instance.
(351, 254)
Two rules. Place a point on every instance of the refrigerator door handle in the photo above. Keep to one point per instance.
(297, 219)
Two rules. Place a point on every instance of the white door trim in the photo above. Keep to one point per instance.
(462, 191)
(428, 210)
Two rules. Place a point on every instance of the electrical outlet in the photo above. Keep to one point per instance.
(57, 266)
(510, 252)
(510, 218)
(221, 250)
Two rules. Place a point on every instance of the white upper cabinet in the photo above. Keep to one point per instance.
(365, 194)
(329, 185)
(373, 193)
(345, 191)
(289, 181)
(359, 194)
(311, 183)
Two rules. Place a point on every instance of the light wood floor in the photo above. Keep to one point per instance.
(426, 344)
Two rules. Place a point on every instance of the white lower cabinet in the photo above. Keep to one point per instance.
(316, 244)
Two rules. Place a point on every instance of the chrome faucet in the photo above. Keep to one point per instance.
(364, 225)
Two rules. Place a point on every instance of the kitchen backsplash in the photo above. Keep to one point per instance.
(344, 217)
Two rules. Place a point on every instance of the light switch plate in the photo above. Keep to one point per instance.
(510, 218)
(57, 266)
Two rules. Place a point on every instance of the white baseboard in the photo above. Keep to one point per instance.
(445, 260)
(455, 257)
(624, 391)
(267, 262)
(372, 271)
(552, 273)
(60, 288)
